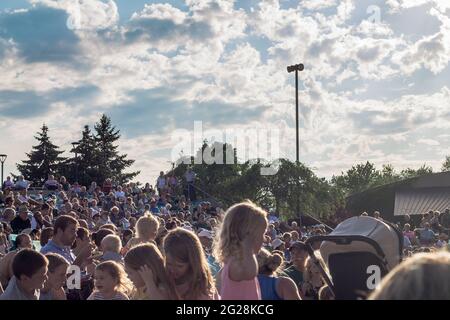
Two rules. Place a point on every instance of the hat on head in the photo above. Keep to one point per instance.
(23, 208)
(298, 245)
(276, 243)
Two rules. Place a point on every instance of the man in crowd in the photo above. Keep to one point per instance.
(22, 221)
(296, 270)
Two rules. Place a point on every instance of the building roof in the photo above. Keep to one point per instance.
(421, 200)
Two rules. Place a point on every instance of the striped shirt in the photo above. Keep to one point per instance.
(96, 295)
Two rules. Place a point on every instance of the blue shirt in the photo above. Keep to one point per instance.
(154, 210)
(66, 252)
(268, 286)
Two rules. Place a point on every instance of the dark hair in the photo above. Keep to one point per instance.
(27, 262)
(45, 236)
(62, 222)
(20, 238)
(127, 232)
(100, 234)
(82, 233)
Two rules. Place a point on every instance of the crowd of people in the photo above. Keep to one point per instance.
(160, 242)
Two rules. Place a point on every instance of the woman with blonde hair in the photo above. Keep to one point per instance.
(145, 267)
(424, 276)
(187, 266)
(273, 286)
(146, 231)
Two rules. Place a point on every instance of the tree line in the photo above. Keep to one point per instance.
(293, 188)
(95, 157)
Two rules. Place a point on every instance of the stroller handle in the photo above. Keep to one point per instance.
(346, 240)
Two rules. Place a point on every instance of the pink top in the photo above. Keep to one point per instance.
(238, 290)
(183, 289)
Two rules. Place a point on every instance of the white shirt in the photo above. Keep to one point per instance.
(190, 176)
(161, 182)
(120, 194)
(22, 184)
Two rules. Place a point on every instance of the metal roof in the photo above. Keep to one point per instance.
(421, 200)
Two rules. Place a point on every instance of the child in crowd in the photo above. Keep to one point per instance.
(111, 247)
(111, 282)
(239, 239)
(29, 270)
(146, 231)
(145, 267)
(57, 275)
(187, 266)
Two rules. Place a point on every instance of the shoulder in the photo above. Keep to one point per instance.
(286, 282)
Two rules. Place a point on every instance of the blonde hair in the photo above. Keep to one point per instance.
(111, 243)
(147, 227)
(117, 272)
(184, 246)
(149, 255)
(269, 263)
(424, 276)
(309, 265)
(241, 220)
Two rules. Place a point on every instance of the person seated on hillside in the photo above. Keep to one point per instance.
(51, 183)
(407, 232)
(444, 219)
(21, 184)
(426, 218)
(8, 183)
(377, 215)
(426, 236)
(434, 222)
(22, 221)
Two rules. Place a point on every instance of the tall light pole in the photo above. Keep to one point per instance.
(75, 145)
(2, 160)
(297, 68)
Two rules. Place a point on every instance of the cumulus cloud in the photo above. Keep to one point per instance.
(170, 65)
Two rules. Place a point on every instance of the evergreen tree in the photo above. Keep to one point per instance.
(110, 164)
(84, 167)
(44, 159)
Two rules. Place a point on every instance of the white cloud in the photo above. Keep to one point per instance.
(429, 142)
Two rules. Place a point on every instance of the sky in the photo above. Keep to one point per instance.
(375, 85)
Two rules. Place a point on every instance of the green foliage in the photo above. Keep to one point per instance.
(97, 157)
(446, 164)
(44, 159)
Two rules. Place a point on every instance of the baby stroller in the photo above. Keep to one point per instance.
(359, 252)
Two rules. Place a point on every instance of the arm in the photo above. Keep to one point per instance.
(287, 289)
(153, 292)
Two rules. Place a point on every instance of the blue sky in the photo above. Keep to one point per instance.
(375, 86)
